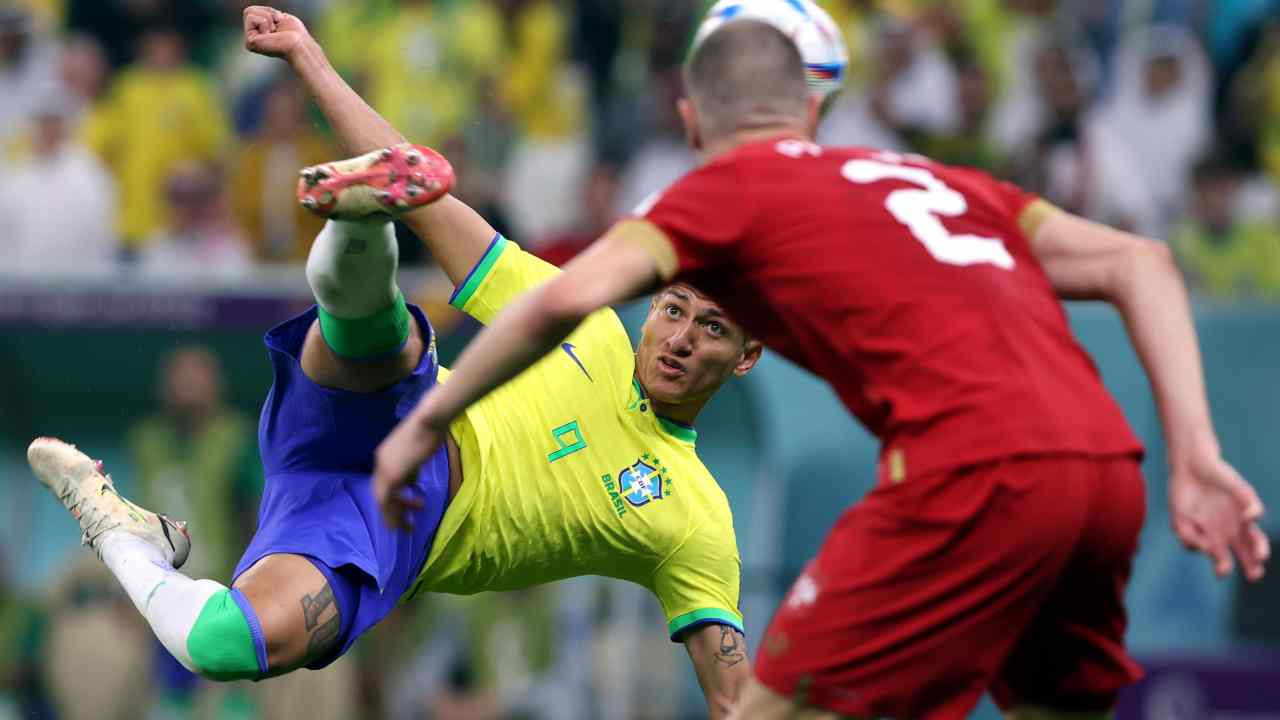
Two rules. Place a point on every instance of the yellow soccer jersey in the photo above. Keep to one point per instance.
(567, 471)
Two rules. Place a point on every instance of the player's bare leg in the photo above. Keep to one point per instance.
(295, 607)
(1030, 712)
(209, 628)
(760, 703)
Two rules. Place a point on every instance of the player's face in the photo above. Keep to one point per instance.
(689, 347)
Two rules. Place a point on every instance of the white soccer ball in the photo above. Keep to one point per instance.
(814, 32)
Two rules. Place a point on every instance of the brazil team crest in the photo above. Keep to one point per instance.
(638, 484)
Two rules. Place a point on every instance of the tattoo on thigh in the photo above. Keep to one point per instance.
(730, 647)
(313, 605)
(321, 638)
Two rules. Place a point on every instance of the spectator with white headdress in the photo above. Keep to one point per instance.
(27, 62)
(1158, 107)
(46, 231)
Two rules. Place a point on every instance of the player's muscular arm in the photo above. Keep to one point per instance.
(719, 655)
(454, 233)
(1213, 509)
(610, 271)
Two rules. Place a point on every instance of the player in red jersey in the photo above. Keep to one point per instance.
(994, 551)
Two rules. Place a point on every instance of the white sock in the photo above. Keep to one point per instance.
(352, 268)
(169, 600)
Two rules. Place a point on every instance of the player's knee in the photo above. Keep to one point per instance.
(226, 642)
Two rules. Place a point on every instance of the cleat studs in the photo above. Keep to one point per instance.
(309, 203)
(402, 204)
(385, 154)
(322, 174)
(413, 191)
(413, 157)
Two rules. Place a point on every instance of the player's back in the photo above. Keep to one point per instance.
(908, 286)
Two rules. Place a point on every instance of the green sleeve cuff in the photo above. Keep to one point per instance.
(462, 295)
(681, 624)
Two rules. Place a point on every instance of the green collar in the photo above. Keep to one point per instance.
(674, 428)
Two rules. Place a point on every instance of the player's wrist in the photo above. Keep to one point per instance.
(1187, 453)
(306, 55)
(429, 417)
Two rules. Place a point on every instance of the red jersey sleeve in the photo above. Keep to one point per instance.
(1010, 198)
(703, 214)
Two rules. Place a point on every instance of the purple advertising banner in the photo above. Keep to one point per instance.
(1242, 687)
(103, 308)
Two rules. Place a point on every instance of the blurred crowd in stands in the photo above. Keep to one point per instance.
(140, 132)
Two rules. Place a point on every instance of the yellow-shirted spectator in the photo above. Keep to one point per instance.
(534, 87)
(263, 178)
(425, 71)
(344, 28)
(1223, 255)
(159, 114)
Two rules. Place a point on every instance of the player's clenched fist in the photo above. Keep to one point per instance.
(268, 31)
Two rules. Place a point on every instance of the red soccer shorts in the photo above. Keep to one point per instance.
(1007, 576)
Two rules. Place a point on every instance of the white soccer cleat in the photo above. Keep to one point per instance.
(90, 495)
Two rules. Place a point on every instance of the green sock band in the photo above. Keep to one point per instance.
(369, 337)
(222, 644)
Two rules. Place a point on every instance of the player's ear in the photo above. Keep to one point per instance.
(750, 356)
(689, 116)
(813, 115)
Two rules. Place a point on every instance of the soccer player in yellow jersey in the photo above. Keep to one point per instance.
(586, 465)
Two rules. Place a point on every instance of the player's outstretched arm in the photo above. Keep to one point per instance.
(1213, 509)
(614, 269)
(719, 655)
(454, 233)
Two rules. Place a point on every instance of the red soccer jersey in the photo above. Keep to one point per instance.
(905, 284)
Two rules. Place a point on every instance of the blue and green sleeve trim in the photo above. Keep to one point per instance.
(682, 624)
(462, 294)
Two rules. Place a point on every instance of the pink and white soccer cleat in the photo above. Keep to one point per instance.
(91, 497)
(390, 181)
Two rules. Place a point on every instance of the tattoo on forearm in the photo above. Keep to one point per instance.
(313, 605)
(730, 652)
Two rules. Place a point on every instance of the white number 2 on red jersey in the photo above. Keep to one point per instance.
(919, 209)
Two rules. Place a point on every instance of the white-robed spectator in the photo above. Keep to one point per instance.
(58, 203)
(1021, 112)
(1158, 108)
(202, 239)
(1073, 160)
(27, 64)
(911, 88)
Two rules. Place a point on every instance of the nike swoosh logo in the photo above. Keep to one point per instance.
(164, 525)
(568, 349)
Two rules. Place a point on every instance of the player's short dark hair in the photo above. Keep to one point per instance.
(746, 74)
